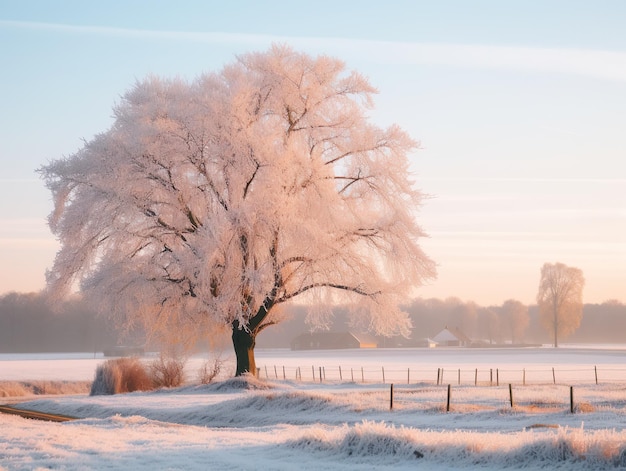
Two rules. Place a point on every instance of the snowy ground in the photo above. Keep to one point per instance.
(289, 424)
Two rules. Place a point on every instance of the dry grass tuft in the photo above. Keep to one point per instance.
(585, 407)
(36, 388)
(121, 375)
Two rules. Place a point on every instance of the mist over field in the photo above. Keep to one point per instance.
(28, 324)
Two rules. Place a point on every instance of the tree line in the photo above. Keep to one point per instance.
(600, 323)
(29, 324)
(486, 325)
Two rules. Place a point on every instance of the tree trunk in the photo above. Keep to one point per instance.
(243, 342)
(244, 338)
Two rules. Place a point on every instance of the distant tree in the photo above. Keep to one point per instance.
(462, 315)
(613, 303)
(215, 201)
(515, 317)
(428, 317)
(560, 299)
(489, 325)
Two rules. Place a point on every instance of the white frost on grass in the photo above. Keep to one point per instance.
(248, 424)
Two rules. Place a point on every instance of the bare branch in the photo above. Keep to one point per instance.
(352, 289)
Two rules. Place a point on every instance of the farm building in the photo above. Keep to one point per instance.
(331, 341)
(450, 337)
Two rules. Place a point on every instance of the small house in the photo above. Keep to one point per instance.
(450, 337)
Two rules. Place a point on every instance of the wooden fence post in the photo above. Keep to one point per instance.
(553, 376)
(391, 398)
(320, 374)
(524, 376)
(511, 394)
(476, 377)
(571, 399)
(408, 376)
(459, 381)
(340, 376)
(383, 368)
(448, 401)
(595, 368)
(362, 376)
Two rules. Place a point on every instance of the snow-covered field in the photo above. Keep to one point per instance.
(333, 425)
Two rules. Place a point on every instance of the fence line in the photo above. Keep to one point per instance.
(446, 375)
(544, 398)
(477, 395)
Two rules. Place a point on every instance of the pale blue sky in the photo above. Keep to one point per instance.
(520, 107)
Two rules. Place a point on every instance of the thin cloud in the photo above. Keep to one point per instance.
(518, 235)
(605, 65)
(574, 180)
(209, 37)
(590, 63)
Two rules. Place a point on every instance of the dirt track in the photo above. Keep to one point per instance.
(27, 414)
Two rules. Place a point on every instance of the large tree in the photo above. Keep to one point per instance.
(560, 299)
(217, 200)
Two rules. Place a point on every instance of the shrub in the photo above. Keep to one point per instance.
(209, 370)
(120, 376)
(167, 372)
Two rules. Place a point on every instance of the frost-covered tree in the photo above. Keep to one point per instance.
(560, 299)
(217, 200)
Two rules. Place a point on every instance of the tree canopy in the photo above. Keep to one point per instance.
(216, 200)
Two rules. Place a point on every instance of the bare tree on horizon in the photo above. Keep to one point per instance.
(560, 299)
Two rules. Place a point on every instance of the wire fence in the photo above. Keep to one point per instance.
(447, 375)
(538, 399)
(538, 390)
